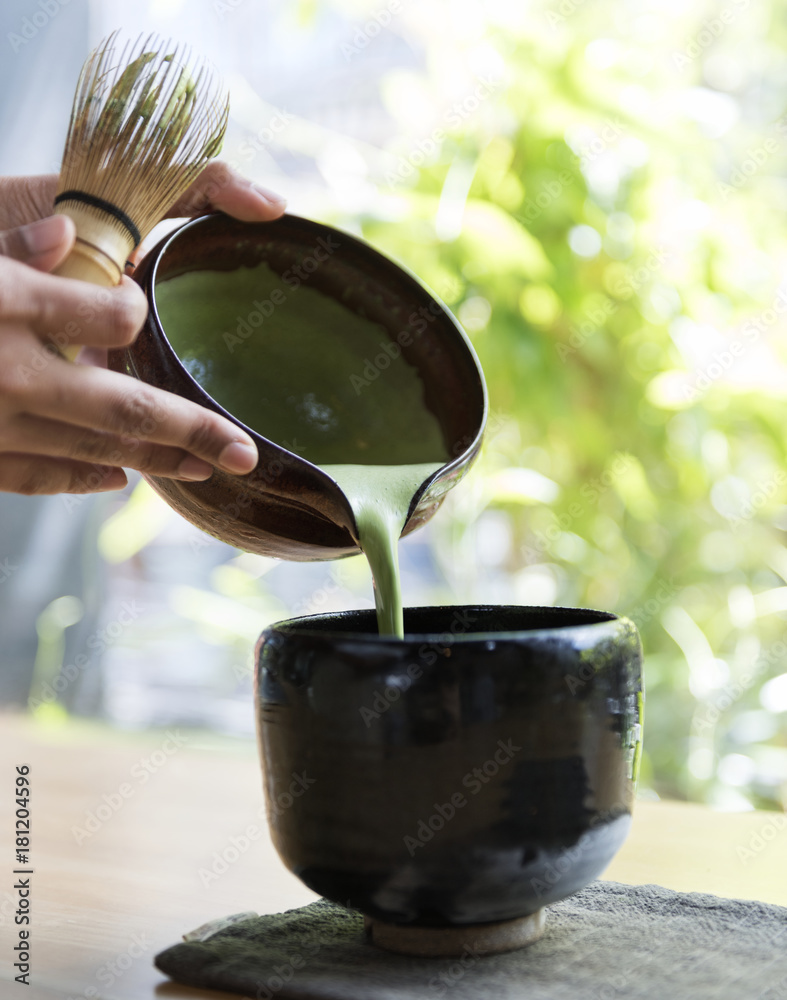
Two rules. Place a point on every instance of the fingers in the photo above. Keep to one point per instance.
(26, 199)
(41, 436)
(32, 475)
(42, 245)
(69, 311)
(69, 427)
(113, 403)
(221, 188)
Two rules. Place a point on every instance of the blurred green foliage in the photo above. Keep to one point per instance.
(607, 223)
(597, 191)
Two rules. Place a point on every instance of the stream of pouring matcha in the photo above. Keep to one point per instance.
(380, 497)
(282, 360)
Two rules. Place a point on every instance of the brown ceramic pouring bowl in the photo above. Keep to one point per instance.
(287, 507)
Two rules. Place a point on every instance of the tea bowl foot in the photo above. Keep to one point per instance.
(453, 942)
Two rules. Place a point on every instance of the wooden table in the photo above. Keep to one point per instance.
(178, 838)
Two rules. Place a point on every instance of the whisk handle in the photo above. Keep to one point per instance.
(99, 254)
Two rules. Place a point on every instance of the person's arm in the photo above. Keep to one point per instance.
(71, 428)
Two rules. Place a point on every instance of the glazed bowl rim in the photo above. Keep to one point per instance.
(606, 621)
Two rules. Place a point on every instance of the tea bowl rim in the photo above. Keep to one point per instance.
(605, 623)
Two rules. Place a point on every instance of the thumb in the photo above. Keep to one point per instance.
(43, 245)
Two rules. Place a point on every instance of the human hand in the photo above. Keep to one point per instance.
(218, 188)
(70, 428)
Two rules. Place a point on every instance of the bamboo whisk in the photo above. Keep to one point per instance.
(144, 123)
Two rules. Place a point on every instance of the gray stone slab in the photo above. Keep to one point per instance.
(606, 942)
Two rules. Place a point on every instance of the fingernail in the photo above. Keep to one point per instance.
(44, 235)
(270, 196)
(238, 458)
(194, 469)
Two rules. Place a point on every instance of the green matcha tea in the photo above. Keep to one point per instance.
(287, 361)
(380, 497)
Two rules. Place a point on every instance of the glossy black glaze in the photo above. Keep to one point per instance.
(523, 721)
(286, 507)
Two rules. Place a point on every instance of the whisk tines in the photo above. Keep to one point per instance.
(146, 119)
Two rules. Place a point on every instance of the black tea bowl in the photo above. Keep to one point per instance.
(452, 784)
